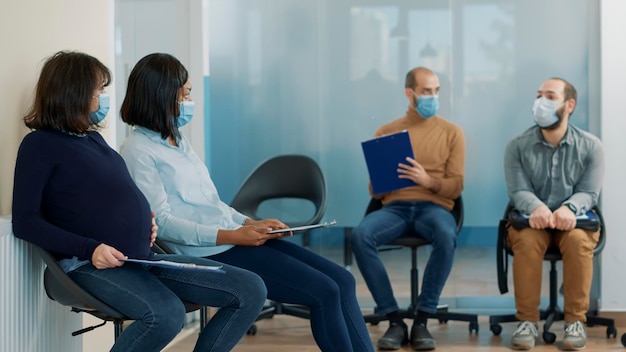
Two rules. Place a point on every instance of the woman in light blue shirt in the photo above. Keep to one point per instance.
(193, 220)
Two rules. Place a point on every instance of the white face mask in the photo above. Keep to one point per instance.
(544, 111)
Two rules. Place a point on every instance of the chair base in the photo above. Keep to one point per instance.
(553, 313)
(442, 314)
(275, 308)
(550, 316)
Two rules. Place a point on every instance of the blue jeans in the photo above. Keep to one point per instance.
(433, 222)
(294, 274)
(152, 297)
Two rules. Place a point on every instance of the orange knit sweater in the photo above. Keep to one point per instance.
(439, 146)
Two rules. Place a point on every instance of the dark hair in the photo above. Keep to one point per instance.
(569, 92)
(151, 98)
(65, 91)
(411, 77)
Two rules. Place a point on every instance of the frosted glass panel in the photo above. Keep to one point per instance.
(318, 77)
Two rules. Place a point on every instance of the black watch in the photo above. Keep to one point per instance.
(572, 207)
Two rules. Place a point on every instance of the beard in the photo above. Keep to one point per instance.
(560, 115)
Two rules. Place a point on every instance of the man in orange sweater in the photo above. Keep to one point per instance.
(437, 170)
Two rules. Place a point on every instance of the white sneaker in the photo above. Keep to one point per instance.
(575, 336)
(524, 336)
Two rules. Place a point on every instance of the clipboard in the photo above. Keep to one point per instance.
(588, 221)
(382, 156)
(304, 228)
(176, 265)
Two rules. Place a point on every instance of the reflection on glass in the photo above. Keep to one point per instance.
(318, 77)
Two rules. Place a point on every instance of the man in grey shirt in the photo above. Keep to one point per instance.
(553, 173)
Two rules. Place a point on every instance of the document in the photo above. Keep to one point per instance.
(590, 215)
(175, 265)
(382, 156)
(304, 228)
(588, 221)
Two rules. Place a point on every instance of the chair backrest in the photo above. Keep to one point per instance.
(284, 176)
(552, 254)
(457, 210)
(61, 288)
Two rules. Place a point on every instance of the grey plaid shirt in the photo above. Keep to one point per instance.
(537, 173)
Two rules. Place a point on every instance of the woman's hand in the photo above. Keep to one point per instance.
(249, 235)
(272, 224)
(105, 257)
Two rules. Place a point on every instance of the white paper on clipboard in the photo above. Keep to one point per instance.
(175, 265)
(303, 228)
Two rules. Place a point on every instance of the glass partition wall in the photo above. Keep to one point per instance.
(318, 77)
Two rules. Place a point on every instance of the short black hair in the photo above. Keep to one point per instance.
(151, 99)
(64, 93)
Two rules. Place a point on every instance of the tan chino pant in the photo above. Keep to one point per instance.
(529, 246)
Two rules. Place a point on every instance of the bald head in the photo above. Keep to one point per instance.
(416, 76)
(420, 81)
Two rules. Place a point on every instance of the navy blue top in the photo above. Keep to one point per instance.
(72, 193)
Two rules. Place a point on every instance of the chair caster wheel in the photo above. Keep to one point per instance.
(611, 331)
(473, 327)
(251, 330)
(624, 340)
(443, 321)
(548, 337)
(496, 329)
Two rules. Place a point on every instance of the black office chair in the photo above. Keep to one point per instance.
(553, 312)
(62, 289)
(283, 177)
(413, 241)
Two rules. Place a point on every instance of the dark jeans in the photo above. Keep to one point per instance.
(433, 222)
(294, 274)
(152, 297)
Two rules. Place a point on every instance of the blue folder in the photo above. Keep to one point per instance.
(382, 156)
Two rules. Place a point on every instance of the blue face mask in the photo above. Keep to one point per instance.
(186, 112)
(427, 105)
(104, 101)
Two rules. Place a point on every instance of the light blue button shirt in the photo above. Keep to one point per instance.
(180, 191)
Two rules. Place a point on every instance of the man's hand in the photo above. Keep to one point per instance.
(105, 257)
(416, 173)
(564, 219)
(541, 218)
(153, 230)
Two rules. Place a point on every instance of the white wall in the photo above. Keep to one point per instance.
(31, 31)
(613, 76)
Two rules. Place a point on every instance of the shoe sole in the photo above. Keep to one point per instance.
(424, 348)
(522, 346)
(570, 347)
(390, 346)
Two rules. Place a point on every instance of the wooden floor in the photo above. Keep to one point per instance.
(473, 277)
